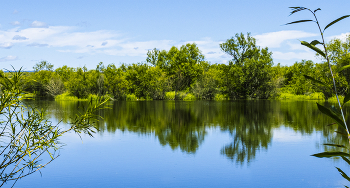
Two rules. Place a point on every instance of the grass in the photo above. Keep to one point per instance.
(312, 96)
(186, 96)
(334, 99)
(66, 96)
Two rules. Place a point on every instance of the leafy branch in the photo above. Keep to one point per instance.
(336, 115)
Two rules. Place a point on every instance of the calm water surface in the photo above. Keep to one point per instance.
(194, 144)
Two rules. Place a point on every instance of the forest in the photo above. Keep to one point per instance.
(183, 74)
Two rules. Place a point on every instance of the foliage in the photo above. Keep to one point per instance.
(131, 97)
(206, 86)
(116, 82)
(170, 95)
(219, 97)
(55, 87)
(43, 65)
(66, 96)
(182, 65)
(312, 96)
(336, 114)
(248, 74)
(27, 135)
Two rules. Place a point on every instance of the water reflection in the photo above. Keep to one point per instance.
(184, 125)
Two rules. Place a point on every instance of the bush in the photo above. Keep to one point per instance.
(93, 97)
(66, 96)
(189, 97)
(219, 97)
(170, 95)
(131, 97)
(334, 99)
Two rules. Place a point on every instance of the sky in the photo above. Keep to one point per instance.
(84, 32)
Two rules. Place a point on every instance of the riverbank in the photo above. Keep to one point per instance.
(187, 97)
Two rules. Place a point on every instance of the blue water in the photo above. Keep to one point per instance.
(124, 158)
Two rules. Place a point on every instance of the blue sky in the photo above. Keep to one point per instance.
(78, 33)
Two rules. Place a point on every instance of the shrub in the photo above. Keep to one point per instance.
(170, 95)
(131, 97)
(189, 97)
(66, 96)
(219, 97)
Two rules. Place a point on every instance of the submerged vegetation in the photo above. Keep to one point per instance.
(183, 74)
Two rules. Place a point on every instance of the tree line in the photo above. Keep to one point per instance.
(183, 73)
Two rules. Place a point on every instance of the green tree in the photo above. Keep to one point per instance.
(207, 85)
(78, 85)
(294, 79)
(55, 86)
(249, 72)
(65, 72)
(43, 65)
(183, 65)
(339, 55)
(37, 82)
(116, 82)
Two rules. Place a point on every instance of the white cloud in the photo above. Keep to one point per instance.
(37, 44)
(37, 24)
(296, 46)
(342, 37)
(6, 45)
(66, 39)
(15, 12)
(308, 55)
(275, 39)
(8, 58)
(15, 23)
(17, 37)
(286, 135)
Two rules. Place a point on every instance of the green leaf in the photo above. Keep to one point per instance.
(331, 114)
(315, 42)
(296, 9)
(335, 21)
(314, 80)
(331, 124)
(341, 133)
(313, 48)
(346, 98)
(336, 145)
(346, 159)
(331, 154)
(343, 174)
(344, 67)
(300, 21)
(317, 10)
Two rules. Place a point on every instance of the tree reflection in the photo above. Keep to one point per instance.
(182, 125)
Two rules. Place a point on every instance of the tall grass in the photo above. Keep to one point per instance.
(312, 96)
(66, 96)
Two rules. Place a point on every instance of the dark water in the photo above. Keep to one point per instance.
(194, 144)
